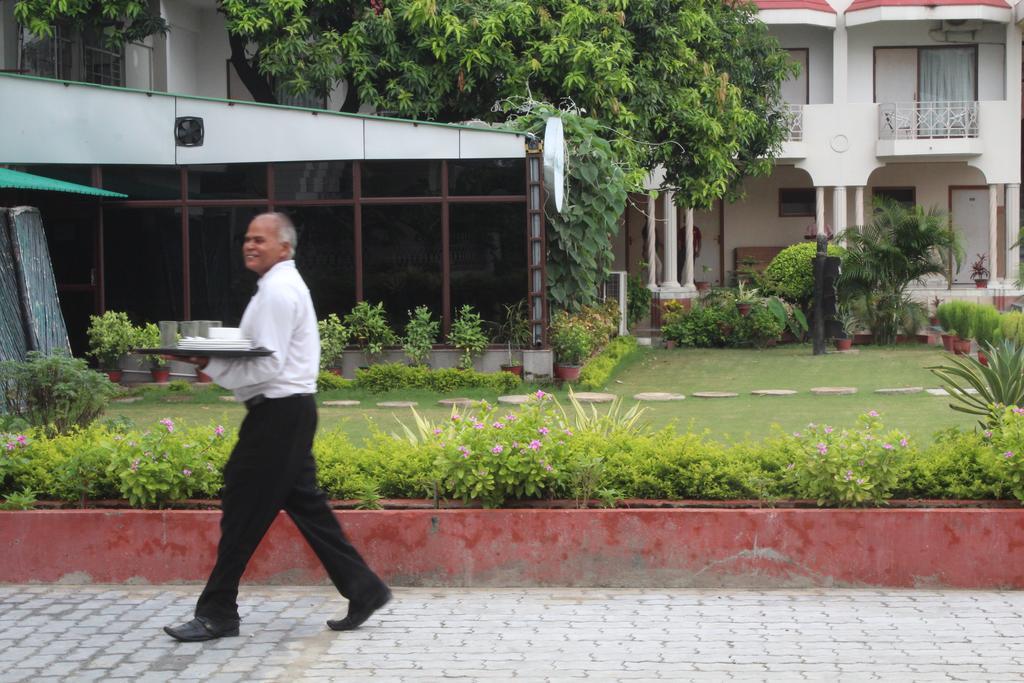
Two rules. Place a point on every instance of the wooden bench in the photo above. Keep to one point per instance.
(760, 257)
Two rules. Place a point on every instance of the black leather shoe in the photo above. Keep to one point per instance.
(359, 612)
(202, 628)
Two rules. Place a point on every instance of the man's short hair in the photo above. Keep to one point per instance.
(285, 230)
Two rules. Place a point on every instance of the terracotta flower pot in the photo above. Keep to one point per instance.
(981, 284)
(844, 344)
(744, 309)
(516, 370)
(568, 373)
(160, 375)
(982, 358)
(948, 340)
(962, 347)
(114, 376)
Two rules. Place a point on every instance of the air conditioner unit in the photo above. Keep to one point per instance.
(961, 25)
(614, 289)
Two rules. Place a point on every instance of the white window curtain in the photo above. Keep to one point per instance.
(947, 79)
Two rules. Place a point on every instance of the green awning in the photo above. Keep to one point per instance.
(27, 181)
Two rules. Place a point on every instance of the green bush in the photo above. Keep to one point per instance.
(379, 379)
(706, 324)
(334, 338)
(328, 381)
(759, 327)
(111, 336)
(56, 393)
(985, 324)
(791, 274)
(1011, 327)
(420, 334)
(598, 370)
(369, 330)
(467, 335)
(638, 299)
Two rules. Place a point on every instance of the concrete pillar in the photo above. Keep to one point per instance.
(652, 247)
(819, 209)
(858, 206)
(993, 233)
(688, 266)
(670, 261)
(1012, 213)
(838, 211)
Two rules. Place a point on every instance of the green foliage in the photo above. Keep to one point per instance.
(368, 327)
(957, 465)
(985, 324)
(328, 381)
(897, 248)
(385, 377)
(638, 298)
(467, 335)
(1007, 457)
(759, 326)
(996, 386)
(111, 336)
(420, 334)
(956, 317)
(706, 324)
(848, 466)
(148, 337)
(569, 339)
(160, 465)
(598, 370)
(19, 500)
(1011, 327)
(790, 274)
(514, 330)
(117, 21)
(54, 392)
(580, 237)
(334, 338)
(179, 386)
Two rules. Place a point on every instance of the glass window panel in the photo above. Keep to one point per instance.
(797, 201)
(313, 180)
(143, 263)
(72, 174)
(325, 256)
(227, 181)
(486, 177)
(70, 237)
(401, 178)
(488, 257)
(221, 285)
(902, 195)
(144, 182)
(402, 259)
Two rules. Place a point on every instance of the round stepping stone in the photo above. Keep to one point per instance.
(833, 391)
(657, 396)
(593, 397)
(341, 404)
(514, 399)
(943, 392)
(397, 404)
(772, 392)
(900, 390)
(714, 394)
(460, 402)
(128, 399)
(228, 399)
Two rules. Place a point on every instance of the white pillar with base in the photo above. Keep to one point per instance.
(858, 206)
(670, 260)
(688, 283)
(652, 247)
(1012, 255)
(819, 210)
(838, 211)
(993, 232)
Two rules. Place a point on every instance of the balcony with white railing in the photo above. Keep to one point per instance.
(793, 146)
(929, 129)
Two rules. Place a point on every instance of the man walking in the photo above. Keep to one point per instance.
(271, 467)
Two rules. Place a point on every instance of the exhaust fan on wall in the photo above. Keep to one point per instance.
(188, 131)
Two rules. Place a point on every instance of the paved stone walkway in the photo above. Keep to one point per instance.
(113, 633)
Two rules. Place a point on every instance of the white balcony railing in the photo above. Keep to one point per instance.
(794, 114)
(933, 120)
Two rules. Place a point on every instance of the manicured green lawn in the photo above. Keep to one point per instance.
(682, 371)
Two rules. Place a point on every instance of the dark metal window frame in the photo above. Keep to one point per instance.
(272, 203)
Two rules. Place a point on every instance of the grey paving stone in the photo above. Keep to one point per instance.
(514, 399)
(833, 391)
(340, 404)
(900, 390)
(397, 404)
(593, 397)
(773, 392)
(658, 396)
(714, 394)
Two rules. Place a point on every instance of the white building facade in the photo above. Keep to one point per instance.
(917, 100)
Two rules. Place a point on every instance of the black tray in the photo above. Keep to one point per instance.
(207, 353)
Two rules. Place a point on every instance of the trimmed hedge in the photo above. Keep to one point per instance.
(598, 370)
(384, 377)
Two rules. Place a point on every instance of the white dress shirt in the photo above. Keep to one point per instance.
(279, 317)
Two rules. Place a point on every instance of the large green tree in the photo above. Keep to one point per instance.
(691, 85)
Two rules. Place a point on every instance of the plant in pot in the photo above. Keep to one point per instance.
(368, 327)
(704, 285)
(638, 298)
(961, 320)
(571, 344)
(334, 338)
(514, 333)
(149, 337)
(985, 325)
(979, 272)
(420, 334)
(111, 336)
(944, 313)
(746, 297)
(849, 324)
(467, 335)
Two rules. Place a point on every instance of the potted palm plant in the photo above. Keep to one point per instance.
(849, 323)
(745, 298)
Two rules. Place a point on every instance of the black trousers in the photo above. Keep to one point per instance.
(271, 468)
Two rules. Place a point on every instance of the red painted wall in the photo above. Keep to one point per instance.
(962, 548)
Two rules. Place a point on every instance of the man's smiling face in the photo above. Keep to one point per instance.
(263, 248)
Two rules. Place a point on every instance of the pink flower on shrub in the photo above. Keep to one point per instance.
(535, 445)
(10, 445)
(543, 430)
(219, 431)
(511, 417)
(169, 423)
(478, 425)
(860, 481)
(498, 448)
(437, 430)
(135, 465)
(987, 434)
(1018, 411)
(790, 466)
(872, 413)
(548, 467)
(568, 432)
(1008, 454)
(187, 472)
(904, 442)
(849, 475)
(455, 417)
(540, 394)
(887, 446)
(464, 451)
(822, 448)
(797, 434)
(21, 439)
(828, 430)
(498, 425)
